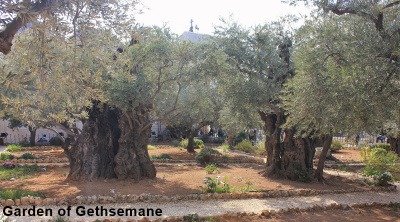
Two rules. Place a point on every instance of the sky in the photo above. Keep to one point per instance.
(206, 13)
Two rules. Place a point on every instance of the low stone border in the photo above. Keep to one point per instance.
(133, 198)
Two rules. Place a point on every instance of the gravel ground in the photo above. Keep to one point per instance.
(218, 207)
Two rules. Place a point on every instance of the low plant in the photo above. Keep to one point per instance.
(197, 144)
(225, 157)
(207, 155)
(13, 148)
(378, 161)
(151, 147)
(161, 157)
(383, 179)
(175, 143)
(212, 168)
(304, 176)
(18, 172)
(336, 146)
(213, 185)
(17, 194)
(385, 146)
(205, 138)
(260, 148)
(191, 218)
(27, 156)
(242, 136)
(225, 147)
(245, 146)
(9, 165)
(6, 156)
(24, 143)
(60, 219)
(341, 168)
(366, 181)
(56, 141)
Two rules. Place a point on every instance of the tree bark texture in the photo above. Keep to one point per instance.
(319, 173)
(395, 144)
(291, 155)
(112, 145)
(190, 146)
(32, 136)
(133, 160)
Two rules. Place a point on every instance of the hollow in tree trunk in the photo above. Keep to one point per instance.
(319, 173)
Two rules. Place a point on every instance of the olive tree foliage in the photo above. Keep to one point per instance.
(63, 15)
(348, 61)
(260, 66)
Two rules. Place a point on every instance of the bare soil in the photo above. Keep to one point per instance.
(347, 155)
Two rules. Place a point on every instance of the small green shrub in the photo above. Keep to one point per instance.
(260, 148)
(13, 148)
(225, 147)
(6, 156)
(245, 146)
(150, 147)
(56, 141)
(17, 194)
(336, 146)
(9, 165)
(205, 138)
(60, 219)
(207, 155)
(161, 157)
(304, 176)
(24, 143)
(27, 156)
(378, 161)
(18, 172)
(197, 144)
(175, 143)
(242, 136)
(385, 146)
(383, 179)
(213, 185)
(212, 168)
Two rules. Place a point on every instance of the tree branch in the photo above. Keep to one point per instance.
(7, 35)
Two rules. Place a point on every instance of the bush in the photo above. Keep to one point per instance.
(304, 176)
(197, 144)
(13, 148)
(383, 179)
(17, 194)
(161, 157)
(27, 156)
(385, 146)
(260, 148)
(207, 155)
(24, 143)
(175, 143)
(336, 146)
(56, 141)
(378, 161)
(212, 185)
(212, 168)
(150, 147)
(242, 136)
(245, 146)
(6, 156)
(9, 165)
(205, 138)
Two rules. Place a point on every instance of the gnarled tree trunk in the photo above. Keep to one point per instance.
(112, 145)
(294, 154)
(132, 160)
(32, 136)
(190, 146)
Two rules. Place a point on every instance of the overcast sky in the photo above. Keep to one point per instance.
(206, 13)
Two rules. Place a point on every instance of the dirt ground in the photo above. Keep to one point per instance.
(376, 214)
(177, 179)
(347, 155)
